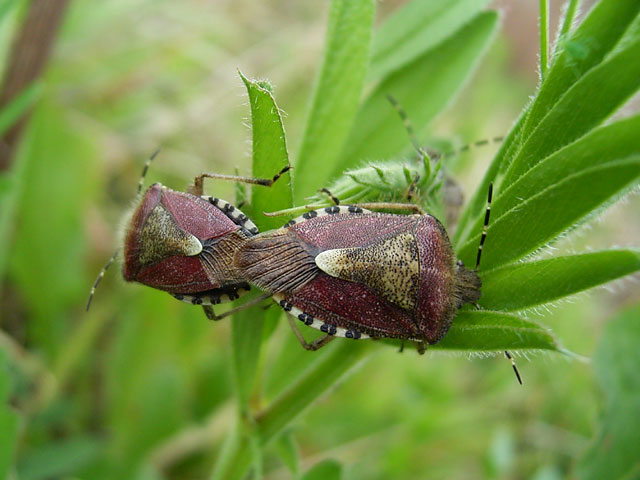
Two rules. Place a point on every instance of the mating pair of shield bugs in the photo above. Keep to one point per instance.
(343, 269)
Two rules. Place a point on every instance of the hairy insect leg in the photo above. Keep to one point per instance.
(198, 182)
(211, 315)
(313, 346)
(421, 347)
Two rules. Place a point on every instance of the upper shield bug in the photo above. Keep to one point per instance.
(184, 243)
(356, 274)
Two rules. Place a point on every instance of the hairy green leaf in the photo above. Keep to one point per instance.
(423, 87)
(270, 155)
(416, 28)
(523, 285)
(606, 86)
(495, 331)
(586, 47)
(582, 50)
(591, 168)
(337, 93)
(606, 144)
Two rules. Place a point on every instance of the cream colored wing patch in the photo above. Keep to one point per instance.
(390, 268)
(161, 237)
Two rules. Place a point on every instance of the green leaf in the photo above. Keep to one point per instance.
(8, 439)
(288, 452)
(545, 201)
(614, 453)
(594, 38)
(246, 337)
(615, 141)
(270, 155)
(543, 217)
(523, 285)
(423, 87)
(9, 420)
(325, 470)
(59, 458)
(337, 93)
(495, 331)
(338, 359)
(10, 113)
(416, 28)
(606, 86)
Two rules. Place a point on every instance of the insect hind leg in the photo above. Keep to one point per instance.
(198, 182)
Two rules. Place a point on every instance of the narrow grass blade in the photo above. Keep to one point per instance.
(524, 285)
(337, 93)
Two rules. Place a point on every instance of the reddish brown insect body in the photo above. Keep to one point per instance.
(184, 244)
(356, 274)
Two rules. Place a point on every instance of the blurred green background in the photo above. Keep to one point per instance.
(140, 386)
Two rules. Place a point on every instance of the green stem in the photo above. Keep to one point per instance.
(342, 357)
(544, 37)
(570, 13)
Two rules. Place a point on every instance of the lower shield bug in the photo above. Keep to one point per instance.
(356, 274)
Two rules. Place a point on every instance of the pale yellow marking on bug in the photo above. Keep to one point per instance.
(161, 237)
(390, 267)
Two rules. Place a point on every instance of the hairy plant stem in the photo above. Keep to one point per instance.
(544, 38)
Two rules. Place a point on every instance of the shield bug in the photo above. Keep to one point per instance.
(357, 274)
(184, 243)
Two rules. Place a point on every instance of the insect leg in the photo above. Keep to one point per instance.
(421, 347)
(211, 315)
(486, 225)
(513, 364)
(198, 182)
(392, 206)
(334, 199)
(314, 345)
